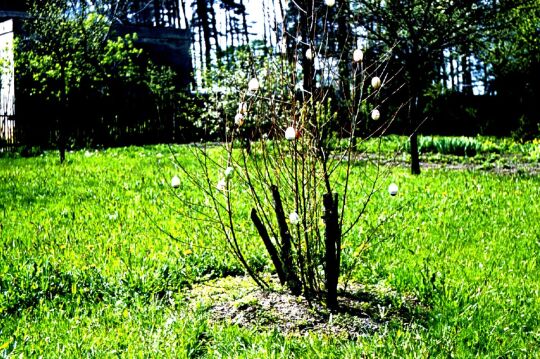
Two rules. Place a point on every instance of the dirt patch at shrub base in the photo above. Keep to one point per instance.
(362, 311)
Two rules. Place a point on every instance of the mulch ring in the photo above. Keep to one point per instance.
(362, 310)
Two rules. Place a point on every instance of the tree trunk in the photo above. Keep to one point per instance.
(184, 15)
(415, 157)
(467, 76)
(202, 14)
(270, 247)
(286, 245)
(244, 23)
(214, 31)
(344, 45)
(332, 248)
(452, 72)
(308, 68)
(157, 17)
(416, 88)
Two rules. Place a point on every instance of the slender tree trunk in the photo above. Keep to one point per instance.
(61, 117)
(415, 116)
(214, 31)
(184, 14)
(452, 72)
(308, 68)
(332, 248)
(415, 157)
(202, 14)
(291, 276)
(345, 46)
(467, 76)
(157, 17)
(244, 23)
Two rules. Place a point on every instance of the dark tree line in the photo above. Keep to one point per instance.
(433, 43)
(438, 47)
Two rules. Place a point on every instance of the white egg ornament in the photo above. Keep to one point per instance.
(358, 55)
(329, 3)
(239, 119)
(294, 218)
(309, 54)
(290, 133)
(393, 189)
(175, 182)
(376, 83)
(242, 108)
(221, 185)
(375, 115)
(253, 85)
(229, 172)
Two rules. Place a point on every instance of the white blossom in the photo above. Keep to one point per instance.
(329, 3)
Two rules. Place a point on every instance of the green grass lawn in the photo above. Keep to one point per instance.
(85, 270)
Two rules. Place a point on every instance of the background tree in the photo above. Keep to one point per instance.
(418, 32)
(67, 52)
(512, 55)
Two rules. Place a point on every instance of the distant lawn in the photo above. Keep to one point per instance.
(85, 271)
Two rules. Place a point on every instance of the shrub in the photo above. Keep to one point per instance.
(289, 139)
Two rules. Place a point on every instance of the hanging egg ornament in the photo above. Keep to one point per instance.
(358, 55)
(221, 185)
(242, 108)
(376, 83)
(229, 172)
(393, 189)
(239, 119)
(290, 133)
(253, 85)
(309, 54)
(175, 182)
(375, 115)
(294, 218)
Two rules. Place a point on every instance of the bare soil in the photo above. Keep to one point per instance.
(362, 310)
(505, 164)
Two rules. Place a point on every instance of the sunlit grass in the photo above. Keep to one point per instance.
(85, 270)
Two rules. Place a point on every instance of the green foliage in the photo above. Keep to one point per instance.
(465, 146)
(460, 146)
(84, 270)
(226, 84)
(71, 59)
(513, 57)
(68, 49)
